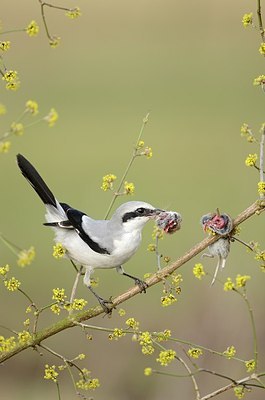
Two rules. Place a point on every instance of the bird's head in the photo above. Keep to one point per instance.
(135, 214)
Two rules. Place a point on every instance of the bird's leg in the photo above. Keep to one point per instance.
(142, 284)
(107, 305)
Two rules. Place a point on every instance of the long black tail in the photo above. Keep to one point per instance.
(35, 180)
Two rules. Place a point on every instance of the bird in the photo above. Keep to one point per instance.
(222, 225)
(89, 242)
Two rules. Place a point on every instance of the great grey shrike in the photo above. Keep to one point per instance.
(93, 243)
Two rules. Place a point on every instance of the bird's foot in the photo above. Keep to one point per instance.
(142, 285)
(107, 305)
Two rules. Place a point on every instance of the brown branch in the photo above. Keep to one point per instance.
(72, 320)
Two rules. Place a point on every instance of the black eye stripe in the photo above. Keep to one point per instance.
(139, 212)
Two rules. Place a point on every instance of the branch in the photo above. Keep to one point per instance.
(73, 319)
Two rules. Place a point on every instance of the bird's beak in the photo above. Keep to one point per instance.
(158, 211)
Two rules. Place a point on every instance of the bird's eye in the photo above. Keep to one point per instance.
(140, 210)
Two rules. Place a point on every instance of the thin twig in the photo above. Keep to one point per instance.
(261, 29)
(133, 157)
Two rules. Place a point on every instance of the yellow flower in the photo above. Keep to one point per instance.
(78, 304)
(17, 128)
(262, 49)
(4, 270)
(32, 107)
(166, 357)
(59, 295)
(168, 300)
(24, 337)
(132, 323)
(7, 344)
(25, 257)
(52, 117)
(247, 133)
(117, 333)
(241, 280)
(251, 160)
(54, 41)
(148, 371)
(5, 146)
(148, 152)
(107, 182)
(261, 187)
(12, 284)
(58, 250)
(247, 19)
(121, 312)
(198, 271)
(32, 29)
(55, 309)
(4, 46)
(145, 340)
(50, 373)
(250, 365)
(2, 109)
(140, 144)
(260, 80)
(10, 76)
(73, 13)
(151, 247)
(129, 188)
(195, 352)
(239, 392)
(14, 85)
(229, 285)
(229, 352)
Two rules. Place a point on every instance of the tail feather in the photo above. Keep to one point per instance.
(36, 181)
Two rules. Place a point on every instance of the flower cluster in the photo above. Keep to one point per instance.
(241, 280)
(168, 299)
(148, 371)
(246, 132)
(32, 29)
(12, 284)
(129, 188)
(86, 382)
(5, 45)
(73, 13)
(51, 118)
(50, 373)
(4, 270)
(25, 257)
(24, 337)
(143, 150)
(259, 81)
(239, 391)
(132, 323)
(229, 285)
(59, 295)
(117, 334)
(198, 271)
(78, 304)
(230, 352)
(58, 250)
(251, 160)
(7, 344)
(107, 182)
(262, 49)
(250, 365)
(261, 188)
(166, 357)
(12, 80)
(163, 336)
(145, 340)
(32, 107)
(195, 352)
(247, 19)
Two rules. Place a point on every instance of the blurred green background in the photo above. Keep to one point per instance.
(191, 65)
